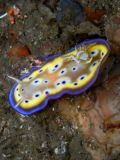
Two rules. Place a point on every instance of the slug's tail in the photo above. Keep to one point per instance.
(19, 82)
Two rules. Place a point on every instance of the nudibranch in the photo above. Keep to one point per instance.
(71, 73)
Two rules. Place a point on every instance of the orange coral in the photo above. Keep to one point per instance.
(20, 51)
(94, 14)
(12, 13)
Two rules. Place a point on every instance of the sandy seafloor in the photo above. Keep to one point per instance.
(60, 131)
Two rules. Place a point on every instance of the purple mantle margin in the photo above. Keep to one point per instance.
(71, 92)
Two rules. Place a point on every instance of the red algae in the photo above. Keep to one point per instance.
(94, 14)
(12, 13)
(18, 51)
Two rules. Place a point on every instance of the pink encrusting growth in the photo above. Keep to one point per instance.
(98, 119)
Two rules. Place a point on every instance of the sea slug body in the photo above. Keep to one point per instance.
(71, 73)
